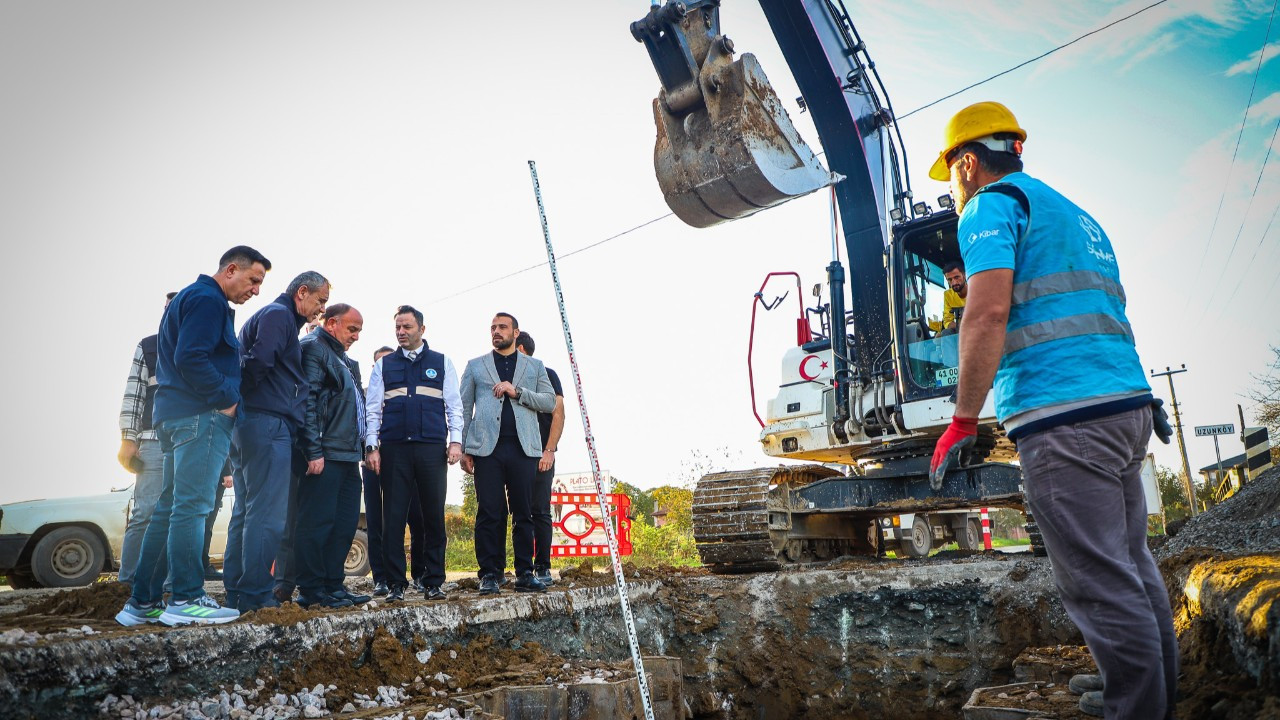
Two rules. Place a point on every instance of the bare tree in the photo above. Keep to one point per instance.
(1266, 395)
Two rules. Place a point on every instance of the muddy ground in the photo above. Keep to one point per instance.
(855, 638)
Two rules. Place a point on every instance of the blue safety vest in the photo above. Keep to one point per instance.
(413, 398)
(1068, 341)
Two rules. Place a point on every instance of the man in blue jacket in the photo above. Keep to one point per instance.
(275, 395)
(1045, 320)
(198, 394)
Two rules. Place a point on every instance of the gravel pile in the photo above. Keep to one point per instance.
(257, 703)
(1247, 522)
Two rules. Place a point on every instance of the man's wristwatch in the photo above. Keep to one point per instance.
(519, 392)
(369, 448)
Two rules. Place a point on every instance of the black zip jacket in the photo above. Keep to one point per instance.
(335, 401)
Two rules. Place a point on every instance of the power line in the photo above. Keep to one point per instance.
(541, 264)
(1034, 59)
(1254, 256)
(1227, 182)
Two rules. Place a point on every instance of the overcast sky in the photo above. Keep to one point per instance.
(384, 144)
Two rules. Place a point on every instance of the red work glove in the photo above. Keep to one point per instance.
(959, 437)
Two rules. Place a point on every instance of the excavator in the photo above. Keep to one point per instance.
(869, 384)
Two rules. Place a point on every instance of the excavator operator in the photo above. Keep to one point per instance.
(1045, 321)
(952, 299)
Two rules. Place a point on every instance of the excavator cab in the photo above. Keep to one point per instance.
(725, 147)
(922, 248)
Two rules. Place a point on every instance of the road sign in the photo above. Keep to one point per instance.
(1207, 430)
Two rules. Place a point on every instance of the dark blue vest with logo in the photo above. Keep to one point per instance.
(413, 398)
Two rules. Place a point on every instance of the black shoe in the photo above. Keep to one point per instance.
(212, 573)
(380, 589)
(433, 592)
(544, 577)
(283, 593)
(396, 594)
(416, 585)
(1087, 682)
(245, 605)
(1091, 703)
(323, 599)
(344, 594)
(528, 583)
(489, 585)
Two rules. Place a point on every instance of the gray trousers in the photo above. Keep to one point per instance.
(1083, 486)
(146, 492)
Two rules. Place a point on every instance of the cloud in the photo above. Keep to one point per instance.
(1159, 45)
(1266, 109)
(1250, 64)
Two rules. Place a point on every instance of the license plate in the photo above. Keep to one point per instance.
(947, 376)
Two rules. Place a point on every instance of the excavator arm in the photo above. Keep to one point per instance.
(727, 149)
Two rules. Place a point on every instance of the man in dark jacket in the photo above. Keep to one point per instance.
(275, 392)
(198, 393)
(332, 441)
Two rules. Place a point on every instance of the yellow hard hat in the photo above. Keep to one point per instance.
(971, 123)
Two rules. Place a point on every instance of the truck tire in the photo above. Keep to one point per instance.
(68, 557)
(971, 538)
(919, 541)
(1033, 534)
(357, 563)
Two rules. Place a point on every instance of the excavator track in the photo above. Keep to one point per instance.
(731, 516)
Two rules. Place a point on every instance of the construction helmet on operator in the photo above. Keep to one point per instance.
(978, 122)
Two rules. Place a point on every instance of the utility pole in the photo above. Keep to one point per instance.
(1182, 445)
(1244, 476)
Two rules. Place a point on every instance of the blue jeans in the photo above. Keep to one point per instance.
(146, 493)
(263, 447)
(194, 449)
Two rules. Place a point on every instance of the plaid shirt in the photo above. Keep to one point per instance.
(135, 398)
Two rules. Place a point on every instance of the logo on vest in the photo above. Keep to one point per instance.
(1095, 238)
(431, 373)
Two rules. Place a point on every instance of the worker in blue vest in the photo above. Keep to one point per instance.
(413, 433)
(1045, 321)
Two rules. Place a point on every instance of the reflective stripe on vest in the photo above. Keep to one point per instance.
(1066, 282)
(418, 390)
(1065, 327)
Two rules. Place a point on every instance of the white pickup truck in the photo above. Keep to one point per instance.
(66, 542)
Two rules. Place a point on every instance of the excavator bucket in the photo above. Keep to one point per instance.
(726, 147)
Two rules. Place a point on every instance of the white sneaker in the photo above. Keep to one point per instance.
(204, 610)
(134, 614)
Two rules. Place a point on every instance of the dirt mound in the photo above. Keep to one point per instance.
(100, 601)
(1054, 664)
(1247, 522)
(586, 574)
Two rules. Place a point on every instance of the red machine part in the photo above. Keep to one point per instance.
(575, 541)
(803, 333)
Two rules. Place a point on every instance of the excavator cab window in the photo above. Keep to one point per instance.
(932, 351)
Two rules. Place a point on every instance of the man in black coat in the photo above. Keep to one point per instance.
(332, 441)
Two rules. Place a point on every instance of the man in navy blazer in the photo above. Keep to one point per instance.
(502, 393)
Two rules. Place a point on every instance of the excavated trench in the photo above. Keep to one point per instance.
(875, 639)
(854, 638)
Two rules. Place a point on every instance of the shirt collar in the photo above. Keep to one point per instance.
(417, 350)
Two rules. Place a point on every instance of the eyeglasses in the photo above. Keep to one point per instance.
(953, 155)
